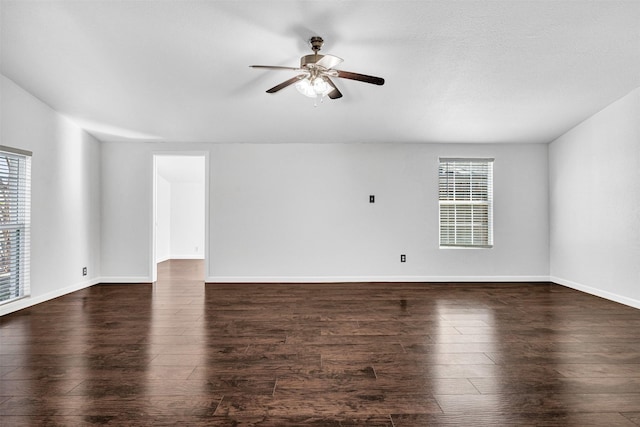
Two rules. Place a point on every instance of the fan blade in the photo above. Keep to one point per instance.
(335, 93)
(360, 77)
(328, 61)
(276, 67)
(286, 83)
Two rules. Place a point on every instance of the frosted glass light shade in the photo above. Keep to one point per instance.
(305, 88)
(320, 86)
(313, 88)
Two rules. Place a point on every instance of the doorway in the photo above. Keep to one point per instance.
(180, 210)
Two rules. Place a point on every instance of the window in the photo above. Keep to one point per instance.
(15, 213)
(466, 202)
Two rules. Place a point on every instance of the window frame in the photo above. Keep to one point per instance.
(15, 224)
(483, 197)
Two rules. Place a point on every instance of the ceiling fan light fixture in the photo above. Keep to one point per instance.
(313, 87)
(305, 88)
(317, 72)
(320, 86)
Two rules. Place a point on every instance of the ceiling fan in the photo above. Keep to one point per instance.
(316, 73)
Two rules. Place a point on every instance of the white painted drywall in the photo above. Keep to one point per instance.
(127, 214)
(595, 203)
(187, 219)
(65, 195)
(163, 219)
(302, 212)
(287, 212)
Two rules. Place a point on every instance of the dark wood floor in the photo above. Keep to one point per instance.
(400, 354)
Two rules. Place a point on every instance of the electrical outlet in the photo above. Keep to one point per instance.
(403, 258)
(84, 271)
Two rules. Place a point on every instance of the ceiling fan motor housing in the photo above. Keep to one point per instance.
(307, 60)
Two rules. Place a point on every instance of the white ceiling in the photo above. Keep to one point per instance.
(463, 71)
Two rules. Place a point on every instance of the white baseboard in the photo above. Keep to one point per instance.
(125, 279)
(30, 301)
(187, 256)
(356, 279)
(597, 292)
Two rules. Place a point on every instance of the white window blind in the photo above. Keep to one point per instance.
(15, 219)
(466, 202)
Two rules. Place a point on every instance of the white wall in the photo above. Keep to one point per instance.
(187, 220)
(595, 204)
(127, 197)
(65, 195)
(287, 212)
(300, 212)
(163, 219)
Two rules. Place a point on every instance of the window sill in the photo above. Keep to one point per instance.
(467, 247)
